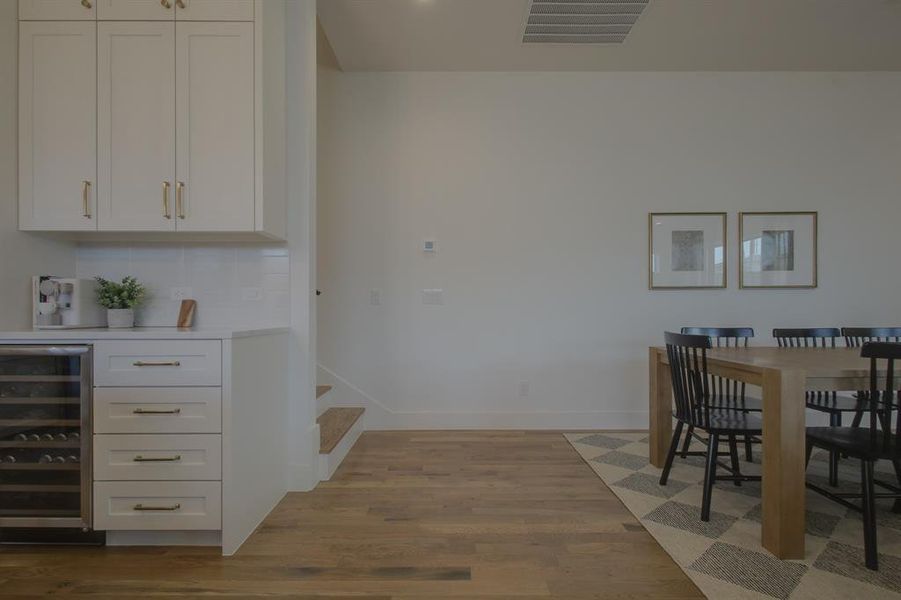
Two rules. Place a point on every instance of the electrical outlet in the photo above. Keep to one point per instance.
(375, 297)
(523, 389)
(180, 293)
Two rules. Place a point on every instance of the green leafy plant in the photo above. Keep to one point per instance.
(128, 294)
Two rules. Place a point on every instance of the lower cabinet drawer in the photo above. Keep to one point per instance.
(152, 505)
(175, 457)
(158, 410)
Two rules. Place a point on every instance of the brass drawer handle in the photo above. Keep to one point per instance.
(166, 3)
(180, 199)
(142, 411)
(175, 458)
(181, 3)
(86, 3)
(166, 212)
(158, 508)
(86, 198)
(166, 363)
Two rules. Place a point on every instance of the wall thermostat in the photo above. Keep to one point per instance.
(429, 246)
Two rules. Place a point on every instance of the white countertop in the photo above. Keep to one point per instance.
(138, 333)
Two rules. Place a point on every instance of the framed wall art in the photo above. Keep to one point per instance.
(777, 250)
(686, 251)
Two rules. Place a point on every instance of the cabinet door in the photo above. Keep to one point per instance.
(136, 129)
(215, 10)
(214, 131)
(57, 125)
(135, 10)
(59, 10)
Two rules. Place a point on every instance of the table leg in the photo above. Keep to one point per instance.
(661, 408)
(783, 463)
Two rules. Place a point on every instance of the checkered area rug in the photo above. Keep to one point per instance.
(724, 556)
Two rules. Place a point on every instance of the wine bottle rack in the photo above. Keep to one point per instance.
(45, 460)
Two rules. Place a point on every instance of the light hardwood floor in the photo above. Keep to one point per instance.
(408, 515)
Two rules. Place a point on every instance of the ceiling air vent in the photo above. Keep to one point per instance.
(581, 21)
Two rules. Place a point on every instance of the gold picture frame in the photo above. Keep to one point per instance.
(812, 262)
(652, 285)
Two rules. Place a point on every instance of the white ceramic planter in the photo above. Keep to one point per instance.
(120, 318)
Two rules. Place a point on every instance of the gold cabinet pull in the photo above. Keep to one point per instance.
(140, 458)
(86, 199)
(86, 3)
(181, 3)
(158, 508)
(142, 411)
(162, 363)
(166, 212)
(166, 3)
(180, 199)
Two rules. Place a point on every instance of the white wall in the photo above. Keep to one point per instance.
(21, 255)
(537, 187)
(234, 284)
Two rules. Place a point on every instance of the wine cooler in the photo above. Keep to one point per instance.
(45, 437)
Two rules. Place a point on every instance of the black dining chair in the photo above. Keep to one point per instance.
(877, 442)
(831, 402)
(695, 396)
(855, 337)
(727, 337)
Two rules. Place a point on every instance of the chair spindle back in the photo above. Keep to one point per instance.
(855, 337)
(687, 356)
(881, 412)
(729, 391)
(816, 337)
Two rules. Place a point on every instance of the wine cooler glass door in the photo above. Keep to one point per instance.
(45, 436)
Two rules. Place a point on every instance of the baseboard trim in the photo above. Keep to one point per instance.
(556, 421)
(163, 538)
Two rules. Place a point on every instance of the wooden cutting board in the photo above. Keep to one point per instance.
(186, 313)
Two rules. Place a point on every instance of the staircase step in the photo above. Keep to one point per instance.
(334, 424)
(322, 390)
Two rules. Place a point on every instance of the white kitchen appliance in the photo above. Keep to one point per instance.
(65, 303)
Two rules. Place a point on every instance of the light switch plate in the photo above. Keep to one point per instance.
(252, 293)
(375, 297)
(433, 297)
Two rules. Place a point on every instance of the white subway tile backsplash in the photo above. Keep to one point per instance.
(218, 275)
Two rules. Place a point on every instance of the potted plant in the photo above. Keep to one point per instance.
(120, 300)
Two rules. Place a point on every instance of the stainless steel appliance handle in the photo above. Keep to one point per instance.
(44, 350)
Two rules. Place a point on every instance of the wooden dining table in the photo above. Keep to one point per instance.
(783, 374)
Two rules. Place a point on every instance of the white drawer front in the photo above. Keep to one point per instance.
(158, 363)
(158, 410)
(153, 505)
(176, 457)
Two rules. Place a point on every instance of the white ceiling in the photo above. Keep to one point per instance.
(671, 35)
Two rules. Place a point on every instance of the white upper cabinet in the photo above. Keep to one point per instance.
(57, 10)
(136, 126)
(215, 126)
(155, 118)
(57, 125)
(135, 10)
(214, 10)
